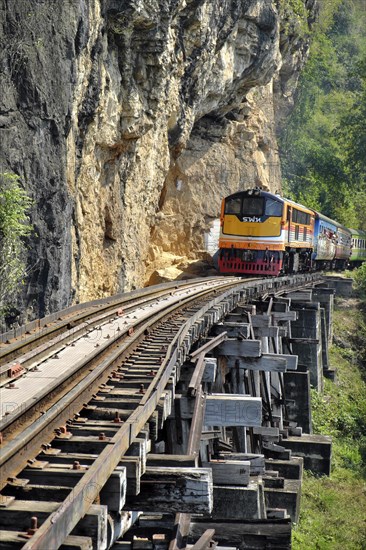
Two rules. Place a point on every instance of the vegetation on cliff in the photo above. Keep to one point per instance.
(323, 145)
(14, 227)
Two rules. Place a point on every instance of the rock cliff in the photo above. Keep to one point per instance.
(128, 121)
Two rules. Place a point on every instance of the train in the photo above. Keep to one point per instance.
(264, 233)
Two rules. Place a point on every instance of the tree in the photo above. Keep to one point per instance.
(322, 147)
(14, 227)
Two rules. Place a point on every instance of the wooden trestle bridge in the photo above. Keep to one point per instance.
(173, 417)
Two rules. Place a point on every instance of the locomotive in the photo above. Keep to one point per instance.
(263, 233)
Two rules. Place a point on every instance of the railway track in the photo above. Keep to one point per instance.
(70, 448)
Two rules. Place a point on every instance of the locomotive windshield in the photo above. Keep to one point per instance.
(253, 206)
(252, 215)
(273, 207)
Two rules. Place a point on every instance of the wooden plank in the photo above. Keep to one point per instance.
(208, 346)
(177, 461)
(18, 514)
(168, 489)
(209, 374)
(204, 541)
(284, 316)
(233, 330)
(240, 348)
(267, 362)
(301, 295)
(302, 340)
(195, 382)
(247, 534)
(131, 463)
(234, 502)
(16, 539)
(266, 332)
(138, 448)
(292, 360)
(267, 430)
(229, 472)
(257, 461)
(260, 321)
(195, 432)
(113, 493)
(233, 410)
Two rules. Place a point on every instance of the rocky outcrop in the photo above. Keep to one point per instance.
(128, 121)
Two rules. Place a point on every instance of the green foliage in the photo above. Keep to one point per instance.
(14, 227)
(322, 148)
(359, 276)
(332, 515)
(293, 17)
(332, 509)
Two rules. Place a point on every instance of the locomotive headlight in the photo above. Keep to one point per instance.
(250, 192)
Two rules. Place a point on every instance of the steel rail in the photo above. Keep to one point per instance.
(80, 366)
(41, 330)
(62, 410)
(60, 523)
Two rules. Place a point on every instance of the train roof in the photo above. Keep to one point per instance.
(256, 192)
(293, 203)
(261, 193)
(358, 233)
(329, 220)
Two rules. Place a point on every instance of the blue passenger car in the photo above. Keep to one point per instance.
(332, 243)
(325, 241)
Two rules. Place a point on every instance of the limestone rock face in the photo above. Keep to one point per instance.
(128, 121)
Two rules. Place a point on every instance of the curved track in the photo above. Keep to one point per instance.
(122, 368)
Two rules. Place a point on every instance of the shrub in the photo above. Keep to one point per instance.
(14, 227)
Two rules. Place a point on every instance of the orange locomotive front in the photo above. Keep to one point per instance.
(262, 233)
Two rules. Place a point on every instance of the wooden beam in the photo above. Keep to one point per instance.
(292, 360)
(195, 382)
(208, 346)
(267, 362)
(260, 321)
(267, 332)
(229, 472)
(18, 514)
(209, 373)
(257, 462)
(177, 461)
(241, 534)
(240, 348)
(169, 489)
(113, 493)
(203, 542)
(233, 330)
(284, 316)
(197, 423)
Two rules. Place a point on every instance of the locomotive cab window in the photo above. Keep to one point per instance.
(273, 208)
(253, 206)
(233, 205)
